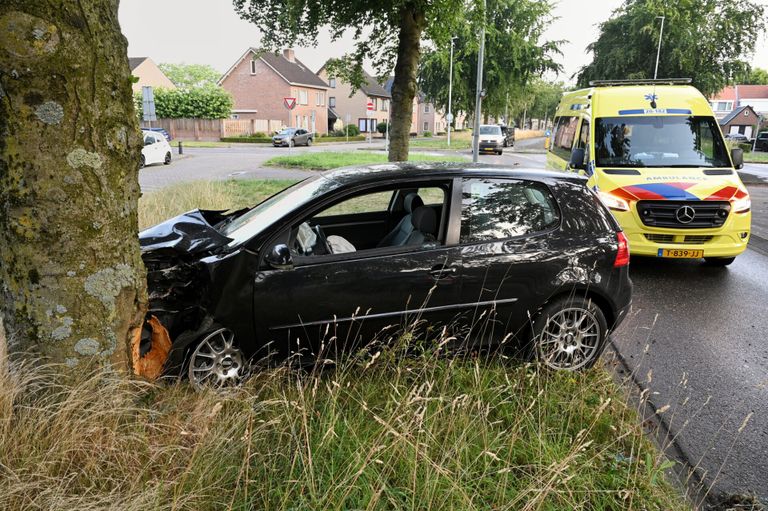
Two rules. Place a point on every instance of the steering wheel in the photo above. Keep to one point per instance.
(322, 241)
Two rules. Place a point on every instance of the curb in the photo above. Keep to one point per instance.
(758, 244)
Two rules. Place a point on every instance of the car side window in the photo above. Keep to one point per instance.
(149, 139)
(377, 202)
(498, 209)
(584, 140)
(565, 132)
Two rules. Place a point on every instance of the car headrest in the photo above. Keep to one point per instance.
(424, 220)
(412, 202)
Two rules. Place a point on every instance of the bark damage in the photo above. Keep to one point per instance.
(73, 284)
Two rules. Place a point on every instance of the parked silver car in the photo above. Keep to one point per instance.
(292, 136)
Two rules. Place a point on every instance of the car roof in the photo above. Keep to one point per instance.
(351, 176)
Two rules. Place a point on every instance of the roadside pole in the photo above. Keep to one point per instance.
(290, 104)
(369, 114)
(449, 117)
(479, 94)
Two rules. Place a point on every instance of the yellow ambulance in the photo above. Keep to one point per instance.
(654, 153)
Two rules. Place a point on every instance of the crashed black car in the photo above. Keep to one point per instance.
(489, 253)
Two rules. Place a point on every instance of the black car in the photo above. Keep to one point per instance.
(489, 253)
(761, 144)
(509, 135)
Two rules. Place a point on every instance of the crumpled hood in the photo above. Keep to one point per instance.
(672, 184)
(190, 233)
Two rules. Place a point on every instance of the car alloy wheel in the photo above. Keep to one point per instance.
(571, 337)
(217, 361)
(167, 159)
(309, 142)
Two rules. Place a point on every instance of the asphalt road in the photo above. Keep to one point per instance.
(697, 336)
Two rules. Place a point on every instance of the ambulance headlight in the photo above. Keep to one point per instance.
(613, 202)
(742, 205)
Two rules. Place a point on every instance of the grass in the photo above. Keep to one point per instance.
(463, 140)
(377, 432)
(756, 157)
(327, 160)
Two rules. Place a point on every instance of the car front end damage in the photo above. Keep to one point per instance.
(179, 289)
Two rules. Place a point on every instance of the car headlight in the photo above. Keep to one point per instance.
(613, 202)
(742, 205)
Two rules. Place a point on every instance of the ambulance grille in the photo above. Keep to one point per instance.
(683, 214)
(695, 239)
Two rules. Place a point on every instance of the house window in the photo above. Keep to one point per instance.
(320, 99)
(426, 126)
(303, 97)
(253, 67)
(332, 83)
(234, 116)
(332, 101)
(426, 108)
(722, 106)
(384, 105)
(374, 101)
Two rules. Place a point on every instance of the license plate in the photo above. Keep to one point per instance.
(681, 253)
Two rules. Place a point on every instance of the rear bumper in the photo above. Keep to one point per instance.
(729, 240)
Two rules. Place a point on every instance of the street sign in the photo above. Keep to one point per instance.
(148, 103)
(370, 108)
(289, 103)
(449, 117)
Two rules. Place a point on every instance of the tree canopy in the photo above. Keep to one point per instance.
(756, 76)
(709, 41)
(514, 55)
(188, 76)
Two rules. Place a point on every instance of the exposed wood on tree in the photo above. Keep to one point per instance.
(73, 285)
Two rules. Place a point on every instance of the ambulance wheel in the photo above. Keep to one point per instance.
(719, 261)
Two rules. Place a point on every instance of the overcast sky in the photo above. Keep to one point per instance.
(209, 32)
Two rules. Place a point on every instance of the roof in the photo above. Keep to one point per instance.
(332, 113)
(735, 113)
(377, 173)
(135, 62)
(295, 73)
(745, 92)
(371, 87)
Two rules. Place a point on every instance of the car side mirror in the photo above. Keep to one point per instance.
(737, 155)
(280, 257)
(577, 158)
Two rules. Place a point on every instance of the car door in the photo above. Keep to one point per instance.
(507, 254)
(347, 300)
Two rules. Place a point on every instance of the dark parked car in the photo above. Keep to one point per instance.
(509, 135)
(761, 144)
(487, 252)
(292, 137)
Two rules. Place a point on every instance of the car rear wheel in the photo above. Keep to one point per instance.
(719, 261)
(569, 334)
(167, 160)
(217, 361)
(143, 162)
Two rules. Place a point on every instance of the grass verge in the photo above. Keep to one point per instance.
(756, 157)
(331, 159)
(200, 143)
(378, 432)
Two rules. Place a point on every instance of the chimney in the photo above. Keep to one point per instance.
(289, 55)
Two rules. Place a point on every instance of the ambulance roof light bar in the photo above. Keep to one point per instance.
(649, 81)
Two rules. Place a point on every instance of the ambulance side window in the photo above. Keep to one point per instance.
(565, 133)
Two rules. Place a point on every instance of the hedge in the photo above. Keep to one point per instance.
(196, 103)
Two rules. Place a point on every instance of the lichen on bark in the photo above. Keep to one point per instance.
(72, 285)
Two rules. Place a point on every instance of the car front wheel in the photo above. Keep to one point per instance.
(143, 162)
(309, 142)
(569, 334)
(217, 361)
(167, 160)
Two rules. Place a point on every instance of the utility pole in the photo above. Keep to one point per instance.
(658, 51)
(449, 117)
(479, 93)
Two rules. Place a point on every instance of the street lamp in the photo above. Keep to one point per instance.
(658, 51)
(449, 117)
(479, 94)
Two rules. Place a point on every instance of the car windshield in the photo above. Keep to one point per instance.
(287, 131)
(659, 141)
(255, 220)
(490, 130)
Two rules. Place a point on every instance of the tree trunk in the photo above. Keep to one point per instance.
(404, 85)
(73, 284)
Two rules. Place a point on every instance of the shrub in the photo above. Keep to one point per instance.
(196, 103)
(381, 127)
(259, 134)
(427, 134)
(351, 130)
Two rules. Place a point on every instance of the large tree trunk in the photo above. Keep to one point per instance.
(73, 284)
(404, 85)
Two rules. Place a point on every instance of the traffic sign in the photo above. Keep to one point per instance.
(370, 105)
(148, 103)
(289, 103)
(449, 117)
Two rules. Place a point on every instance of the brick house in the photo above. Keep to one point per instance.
(425, 116)
(145, 69)
(741, 120)
(259, 80)
(346, 105)
(730, 98)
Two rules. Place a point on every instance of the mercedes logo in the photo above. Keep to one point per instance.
(685, 214)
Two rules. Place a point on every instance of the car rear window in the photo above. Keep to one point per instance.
(498, 209)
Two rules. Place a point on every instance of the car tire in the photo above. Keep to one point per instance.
(167, 160)
(719, 261)
(216, 361)
(309, 142)
(290, 143)
(143, 162)
(500, 152)
(566, 327)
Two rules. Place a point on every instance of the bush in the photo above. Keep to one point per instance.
(196, 103)
(259, 134)
(250, 140)
(349, 129)
(427, 134)
(381, 127)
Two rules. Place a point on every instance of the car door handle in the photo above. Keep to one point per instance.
(442, 272)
